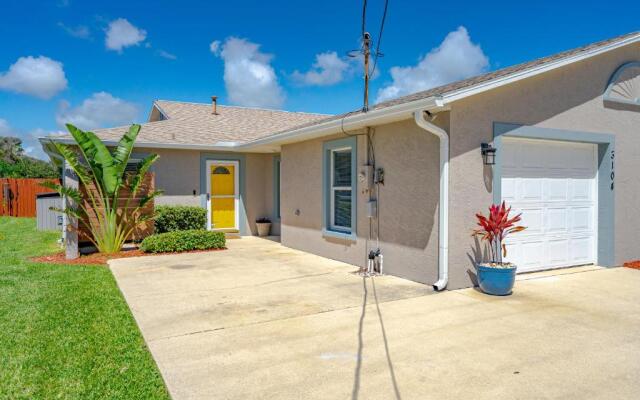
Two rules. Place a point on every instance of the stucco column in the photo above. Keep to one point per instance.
(70, 179)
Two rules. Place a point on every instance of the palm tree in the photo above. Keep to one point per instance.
(109, 223)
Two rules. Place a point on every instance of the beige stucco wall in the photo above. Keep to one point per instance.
(407, 202)
(178, 174)
(569, 98)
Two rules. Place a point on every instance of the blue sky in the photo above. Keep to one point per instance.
(102, 63)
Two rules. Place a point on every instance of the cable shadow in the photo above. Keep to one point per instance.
(356, 379)
(357, 374)
(392, 373)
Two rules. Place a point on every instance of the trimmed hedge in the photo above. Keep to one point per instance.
(180, 218)
(196, 239)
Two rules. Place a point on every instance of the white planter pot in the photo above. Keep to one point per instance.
(263, 228)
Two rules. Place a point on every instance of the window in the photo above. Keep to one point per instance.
(132, 164)
(341, 189)
(339, 204)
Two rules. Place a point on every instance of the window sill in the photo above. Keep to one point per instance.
(338, 235)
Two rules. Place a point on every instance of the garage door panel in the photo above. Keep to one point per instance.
(556, 221)
(558, 252)
(557, 189)
(530, 189)
(553, 185)
(509, 190)
(533, 219)
(581, 249)
(582, 219)
(582, 189)
(532, 253)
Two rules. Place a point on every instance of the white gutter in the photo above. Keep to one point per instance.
(347, 123)
(443, 217)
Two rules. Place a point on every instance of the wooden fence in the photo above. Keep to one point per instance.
(144, 230)
(18, 196)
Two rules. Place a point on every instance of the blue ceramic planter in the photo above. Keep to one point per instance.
(496, 281)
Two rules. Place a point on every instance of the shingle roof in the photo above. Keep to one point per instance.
(477, 80)
(194, 124)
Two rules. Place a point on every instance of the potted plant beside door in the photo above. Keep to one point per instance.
(264, 226)
(497, 277)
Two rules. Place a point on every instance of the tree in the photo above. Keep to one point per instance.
(109, 223)
(15, 164)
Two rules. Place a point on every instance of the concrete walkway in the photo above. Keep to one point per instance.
(263, 321)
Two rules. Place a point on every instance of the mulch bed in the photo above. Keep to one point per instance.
(633, 264)
(101, 259)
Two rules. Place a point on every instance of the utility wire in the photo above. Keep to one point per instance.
(384, 17)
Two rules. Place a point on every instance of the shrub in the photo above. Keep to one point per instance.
(180, 218)
(196, 239)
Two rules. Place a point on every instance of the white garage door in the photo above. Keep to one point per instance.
(554, 185)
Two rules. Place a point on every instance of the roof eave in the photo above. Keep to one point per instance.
(348, 123)
(218, 146)
(459, 94)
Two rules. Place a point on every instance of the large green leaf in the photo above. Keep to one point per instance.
(125, 147)
(72, 193)
(110, 177)
(87, 148)
(72, 161)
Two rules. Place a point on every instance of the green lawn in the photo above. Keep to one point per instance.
(66, 331)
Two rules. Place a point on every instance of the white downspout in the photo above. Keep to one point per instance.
(443, 218)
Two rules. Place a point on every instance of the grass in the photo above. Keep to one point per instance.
(65, 330)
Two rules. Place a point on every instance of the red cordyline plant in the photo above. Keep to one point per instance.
(495, 228)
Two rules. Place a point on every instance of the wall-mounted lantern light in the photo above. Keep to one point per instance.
(488, 154)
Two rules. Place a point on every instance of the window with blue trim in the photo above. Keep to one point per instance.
(339, 188)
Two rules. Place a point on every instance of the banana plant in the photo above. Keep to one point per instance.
(100, 208)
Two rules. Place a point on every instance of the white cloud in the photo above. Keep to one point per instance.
(121, 33)
(80, 31)
(30, 143)
(328, 69)
(215, 47)
(98, 111)
(454, 59)
(36, 76)
(249, 78)
(167, 55)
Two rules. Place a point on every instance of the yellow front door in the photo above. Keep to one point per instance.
(223, 196)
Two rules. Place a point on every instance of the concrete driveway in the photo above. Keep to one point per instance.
(263, 321)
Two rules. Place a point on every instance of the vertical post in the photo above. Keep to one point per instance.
(70, 179)
(366, 42)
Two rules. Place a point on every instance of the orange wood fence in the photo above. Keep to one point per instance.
(18, 196)
(145, 229)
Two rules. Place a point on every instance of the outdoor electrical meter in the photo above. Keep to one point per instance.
(372, 208)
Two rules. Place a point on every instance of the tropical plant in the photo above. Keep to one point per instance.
(110, 220)
(495, 228)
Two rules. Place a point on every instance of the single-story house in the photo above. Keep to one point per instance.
(557, 138)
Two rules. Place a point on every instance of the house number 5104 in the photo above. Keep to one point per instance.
(613, 168)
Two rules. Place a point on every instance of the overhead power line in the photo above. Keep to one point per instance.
(377, 54)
